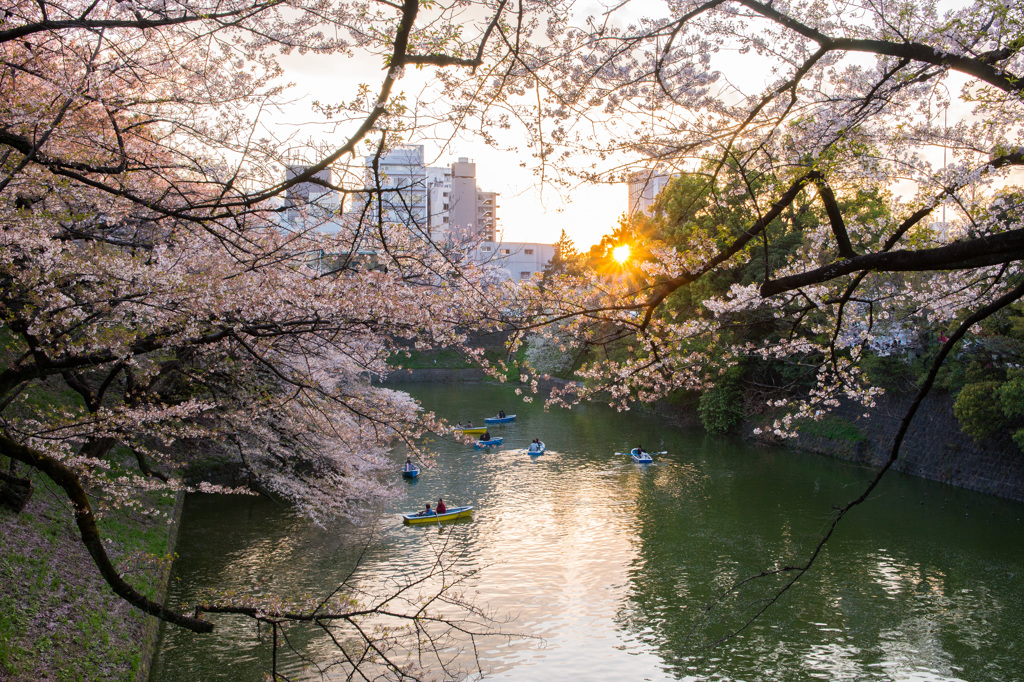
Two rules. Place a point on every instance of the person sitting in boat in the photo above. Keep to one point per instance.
(469, 424)
(535, 445)
(486, 436)
(409, 466)
(501, 414)
(426, 512)
(640, 450)
(459, 426)
(441, 508)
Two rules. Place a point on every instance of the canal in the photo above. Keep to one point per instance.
(609, 567)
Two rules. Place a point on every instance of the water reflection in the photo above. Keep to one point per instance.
(612, 565)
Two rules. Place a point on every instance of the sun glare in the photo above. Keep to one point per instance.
(621, 253)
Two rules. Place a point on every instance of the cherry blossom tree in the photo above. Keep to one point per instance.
(149, 282)
(775, 107)
(156, 310)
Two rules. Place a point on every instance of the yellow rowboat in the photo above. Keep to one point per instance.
(449, 515)
(474, 429)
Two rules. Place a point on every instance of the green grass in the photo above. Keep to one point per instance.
(444, 358)
(833, 428)
(433, 359)
(59, 619)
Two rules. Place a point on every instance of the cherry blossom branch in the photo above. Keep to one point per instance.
(86, 23)
(798, 571)
(978, 68)
(997, 249)
(69, 481)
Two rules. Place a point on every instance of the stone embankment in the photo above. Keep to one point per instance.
(440, 376)
(934, 447)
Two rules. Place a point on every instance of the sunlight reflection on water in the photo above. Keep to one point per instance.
(608, 565)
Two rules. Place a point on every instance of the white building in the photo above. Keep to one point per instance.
(517, 260)
(644, 188)
(946, 232)
(319, 203)
(442, 203)
(398, 189)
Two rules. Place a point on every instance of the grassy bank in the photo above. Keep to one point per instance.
(441, 359)
(58, 618)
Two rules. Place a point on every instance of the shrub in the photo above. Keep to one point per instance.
(979, 410)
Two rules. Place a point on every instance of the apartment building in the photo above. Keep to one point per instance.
(644, 188)
(442, 203)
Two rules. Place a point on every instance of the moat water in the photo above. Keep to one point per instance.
(613, 570)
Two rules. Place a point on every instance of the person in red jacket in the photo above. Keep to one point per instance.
(441, 509)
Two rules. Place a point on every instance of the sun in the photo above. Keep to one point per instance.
(621, 253)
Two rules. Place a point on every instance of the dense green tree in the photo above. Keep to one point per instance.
(567, 258)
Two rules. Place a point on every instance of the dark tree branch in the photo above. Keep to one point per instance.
(997, 249)
(69, 481)
(978, 68)
(835, 217)
(84, 23)
(665, 289)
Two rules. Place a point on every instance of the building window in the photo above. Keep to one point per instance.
(529, 252)
(485, 248)
(505, 252)
(445, 207)
(524, 275)
(445, 219)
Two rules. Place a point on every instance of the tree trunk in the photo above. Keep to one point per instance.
(15, 492)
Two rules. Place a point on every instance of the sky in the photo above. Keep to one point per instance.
(527, 212)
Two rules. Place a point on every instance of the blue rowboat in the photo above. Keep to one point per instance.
(500, 420)
(450, 515)
(539, 451)
(645, 458)
(642, 458)
(634, 452)
(410, 473)
(488, 443)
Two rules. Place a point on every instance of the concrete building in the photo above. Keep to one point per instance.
(515, 260)
(443, 203)
(311, 198)
(401, 179)
(486, 214)
(459, 211)
(644, 188)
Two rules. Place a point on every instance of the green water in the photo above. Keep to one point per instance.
(609, 566)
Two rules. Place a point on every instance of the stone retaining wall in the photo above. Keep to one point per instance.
(934, 447)
(441, 376)
(151, 630)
